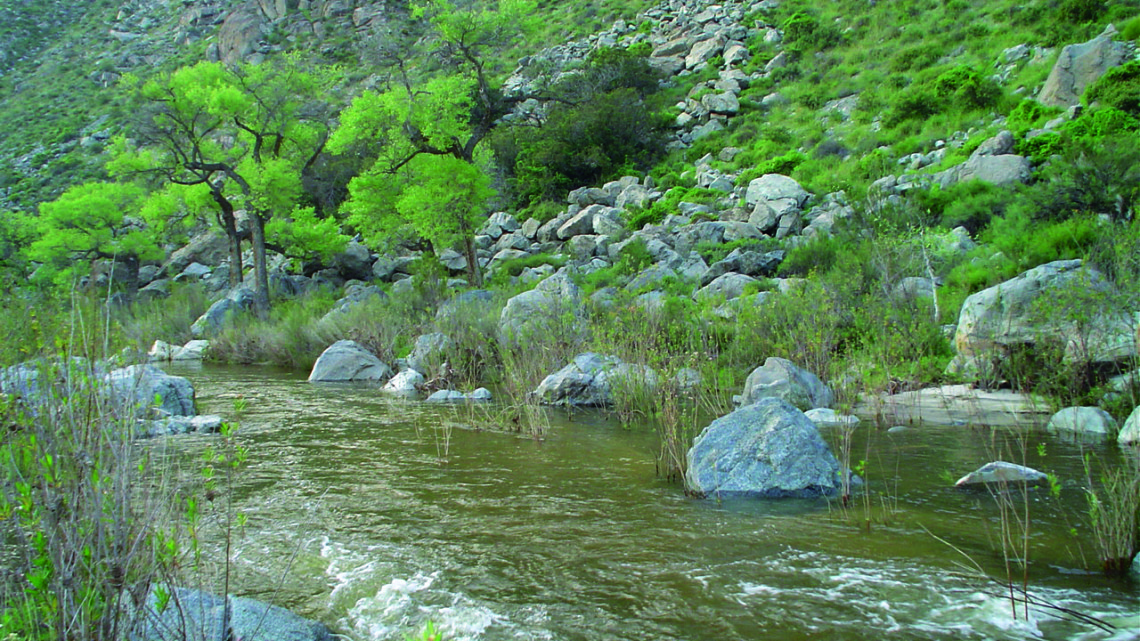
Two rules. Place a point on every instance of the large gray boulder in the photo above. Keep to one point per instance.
(147, 386)
(356, 294)
(1015, 316)
(193, 615)
(1080, 65)
(1004, 171)
(781, 193)
(238, 301)
(354, 263)
(346, 361)
(729, 286)
(780, 378)
(589, 381)
(429, 353)
(543, 310)
(405, 383)
(767, 450)
(1084, 421)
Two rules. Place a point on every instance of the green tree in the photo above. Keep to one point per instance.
(90, 222)
(427, 178)
(245, 135)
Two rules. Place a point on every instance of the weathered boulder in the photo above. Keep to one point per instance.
(1013, 316)
(543, 309)
(209, 248)
(192, 351)
(345, 361)
(768, 449)
(239, 300)
(1130, 433)
(473, 301)
(160, 351)
(405, 383)
(356, 293)
(749, 263)
(589, 381)
(729, 286)
(702, 51)
(193, 615)
(781, 193)
(1000, 473)
(1085, 421)
(429, 353)
(354, 263)
(1079, 66)
(147, 386)
(1004, 171)
(780, 378)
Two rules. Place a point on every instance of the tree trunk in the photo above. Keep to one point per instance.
(229, 225)
(260, 269)
(474, 274)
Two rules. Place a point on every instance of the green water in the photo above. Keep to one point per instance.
(354, 520)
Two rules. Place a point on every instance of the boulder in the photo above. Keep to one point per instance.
(354, 263)
(749, 263)
(1090, 421)
(356, 293)
(208, 248)
(345, 361)
(702, 51)
(780, 378)
(1080, 65)
(239, 300)
(780, 193)
(1001, 473)
(192, 351)
(160, 351)
(589, 380)
(1004, 171)
(1007, 318)
(729, 286)
(406, 382)
(175, 425)
(1130, 433)
(147, 386)
(429, 353)
(473, 301)
(193, 615)
(768, 450)
(542, 310)
(826, 417)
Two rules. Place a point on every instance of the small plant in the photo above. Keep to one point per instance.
(1114, 512)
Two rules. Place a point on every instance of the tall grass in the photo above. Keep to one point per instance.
(1113, 497)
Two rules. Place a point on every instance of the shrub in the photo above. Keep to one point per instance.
(1029, 114)
(804, 32)
(816, 256)
(967, 88)
(1118, 88)
(970, 204)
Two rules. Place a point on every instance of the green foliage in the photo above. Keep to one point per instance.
(784, 164)
(969, 204)
(815, 257)
(632, 260)
(804, 31)
(515, 266)
(1029, 114)
(1118, 88)
(714, 252)
(1028, 244)
(1080, 11)
(668, 204)
(1099, 175)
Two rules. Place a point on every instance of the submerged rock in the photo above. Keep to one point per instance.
(1000, 472)
(768, 449)
(193, 615)
(345, 361)
(825, 417)
(453, 396)
(406, 382)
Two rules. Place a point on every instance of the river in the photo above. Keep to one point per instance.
(375, 515)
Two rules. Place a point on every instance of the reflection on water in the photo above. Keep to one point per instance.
(574, 537)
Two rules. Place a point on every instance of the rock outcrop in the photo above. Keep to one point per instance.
(1083, 421)
(193, 615)
(147, 387)
(1012, 316)
(768, 449)
(1080, 65)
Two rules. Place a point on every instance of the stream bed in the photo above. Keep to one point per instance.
(376, 515)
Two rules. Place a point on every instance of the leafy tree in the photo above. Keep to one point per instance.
(89, 222)
(245, 135)
(426, 136)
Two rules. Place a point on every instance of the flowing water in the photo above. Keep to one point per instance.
(371, 515)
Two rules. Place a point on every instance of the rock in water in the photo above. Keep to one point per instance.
(1084, 421)
(1130, 433)
(1000, 472)
(345, 361)
(193, 615)
(768, 449)
(147, 385)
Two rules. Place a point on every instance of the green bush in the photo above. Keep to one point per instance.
(1080, 11)
(817, 256)
(804, 32)
(970, 204)
(1118, 88)
(967, 88)
(1029, 114)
